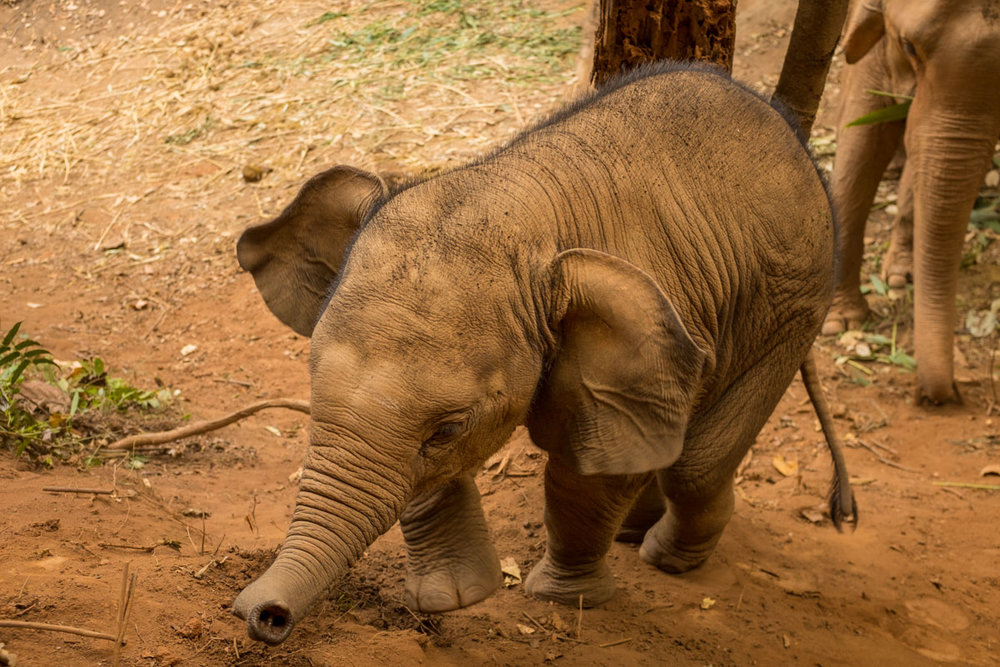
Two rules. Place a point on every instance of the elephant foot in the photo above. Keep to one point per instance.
(646, 511)
(452, 562)
(845, 314)
(897, 271)
(551, 582)
(662, 549)
(942, 395)
(460, 580)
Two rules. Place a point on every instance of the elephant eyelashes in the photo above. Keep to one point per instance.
(444, 434)
(908, 47)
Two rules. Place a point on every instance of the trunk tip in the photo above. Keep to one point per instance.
(269, 622)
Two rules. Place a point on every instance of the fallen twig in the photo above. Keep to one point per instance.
(884, 460)
(149, 549)
(29, 625)
(124, 607)
(69, 489)
(615, 643)
(969, 485)
(200, 427)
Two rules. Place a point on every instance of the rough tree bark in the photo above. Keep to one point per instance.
(632, 32)
(810, 48)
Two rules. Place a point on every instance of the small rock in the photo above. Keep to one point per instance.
(252, 173)
(192, 629)
(992, 179)
(188, 349)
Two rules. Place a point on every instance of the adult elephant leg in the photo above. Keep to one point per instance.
(897, 269)
(863, 152)
(582, 513)
(452, 562)
(646, 511)
(699, 485)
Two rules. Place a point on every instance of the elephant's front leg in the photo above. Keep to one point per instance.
(582, 514)
(452, 562)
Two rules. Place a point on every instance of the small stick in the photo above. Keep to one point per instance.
(200, 427)
(70, 489)
(105, 545)
(884, 460)
(537, 624)
(615, 643)
(28, 625)
(201, 552)
(579, 620)
(965, 485)
(128, 612)
(116, 656)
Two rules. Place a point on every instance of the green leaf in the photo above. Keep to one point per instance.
(10, 335)
(880, 287)
(889, 114)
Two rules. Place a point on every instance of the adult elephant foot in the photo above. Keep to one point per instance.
(552, 582)
(897, 270)
(452, 562)
(686, 535)
(846, 313)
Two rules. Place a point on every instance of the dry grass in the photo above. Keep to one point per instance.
(403, 84)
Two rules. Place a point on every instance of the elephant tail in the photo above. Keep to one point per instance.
(843, 505)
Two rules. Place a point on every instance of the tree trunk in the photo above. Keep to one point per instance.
(807, 60)
(630, 33)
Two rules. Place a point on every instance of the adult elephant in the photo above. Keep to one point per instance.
(945, 54)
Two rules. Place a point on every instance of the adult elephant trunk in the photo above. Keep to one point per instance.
(343, 504)
(948, 151)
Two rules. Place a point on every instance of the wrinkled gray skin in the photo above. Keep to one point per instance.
(637, 280)
(946, 55)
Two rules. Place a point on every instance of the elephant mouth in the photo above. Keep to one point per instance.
(270, 622)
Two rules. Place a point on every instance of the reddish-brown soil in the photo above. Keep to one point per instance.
(916, 583)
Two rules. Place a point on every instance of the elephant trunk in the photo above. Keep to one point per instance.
(950, 154)
(342, 506)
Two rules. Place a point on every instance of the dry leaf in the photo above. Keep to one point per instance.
(991, 469)
(786, 468)
(707, 603)
(525, 629)
(558, 624)
(811, 515)
(273, 431)
(511, 572)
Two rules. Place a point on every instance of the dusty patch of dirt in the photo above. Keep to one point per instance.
(915, 584)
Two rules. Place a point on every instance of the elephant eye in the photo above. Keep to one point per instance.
(444, 433)
(908, 47)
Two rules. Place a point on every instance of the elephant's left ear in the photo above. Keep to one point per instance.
(865, 26)
(295, 257)
(618, 394)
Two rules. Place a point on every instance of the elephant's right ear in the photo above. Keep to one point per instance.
(295, 257)
(626, 373)
(865, 26)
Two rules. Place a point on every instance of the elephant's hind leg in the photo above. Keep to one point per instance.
(452, 562)
(686, 535)
(582, 513)
(897, 269)
(699, 485)
(646, 511)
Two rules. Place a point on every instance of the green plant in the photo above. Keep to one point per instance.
(93, 409)
(889, 114)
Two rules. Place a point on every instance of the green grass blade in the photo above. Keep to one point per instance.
(889, 114)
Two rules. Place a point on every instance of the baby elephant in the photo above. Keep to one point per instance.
(636, 279)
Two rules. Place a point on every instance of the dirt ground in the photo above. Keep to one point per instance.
(122, 203)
